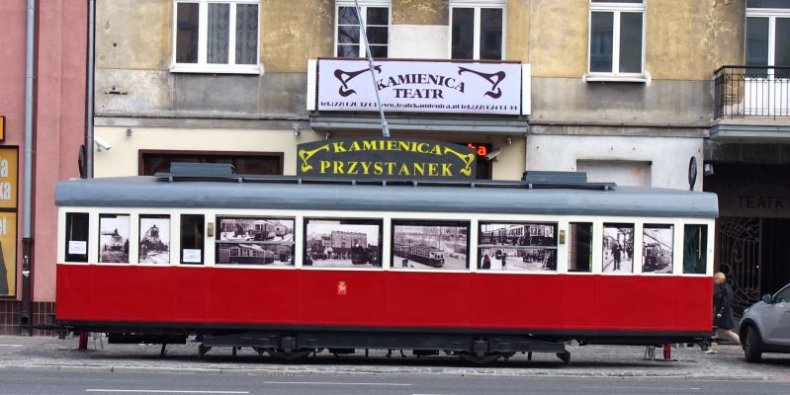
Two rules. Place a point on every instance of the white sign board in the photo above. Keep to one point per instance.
(420, 86)
(77, 247)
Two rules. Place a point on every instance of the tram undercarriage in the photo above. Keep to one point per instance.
(297, 346)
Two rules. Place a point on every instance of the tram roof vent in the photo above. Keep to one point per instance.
(555, 177)
(214, 171)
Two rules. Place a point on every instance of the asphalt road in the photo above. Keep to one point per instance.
(33, 382)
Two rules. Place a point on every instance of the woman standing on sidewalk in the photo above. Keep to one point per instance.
(722, 308)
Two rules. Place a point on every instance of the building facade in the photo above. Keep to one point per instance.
(57, 129)
(626, 91)
(748, 152)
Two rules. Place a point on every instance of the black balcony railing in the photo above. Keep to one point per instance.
(752, 91)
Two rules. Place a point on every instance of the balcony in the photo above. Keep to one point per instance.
(752, 104)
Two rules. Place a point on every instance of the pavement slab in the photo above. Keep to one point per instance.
(51, 353)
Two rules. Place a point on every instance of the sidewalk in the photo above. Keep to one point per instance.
(55, 354)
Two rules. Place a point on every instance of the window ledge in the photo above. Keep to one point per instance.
(256, 69)
(639, 78)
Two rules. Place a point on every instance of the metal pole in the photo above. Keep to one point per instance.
(27, 241)
(385, 131)
(89, 94)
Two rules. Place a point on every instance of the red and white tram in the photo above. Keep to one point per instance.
(588, 280)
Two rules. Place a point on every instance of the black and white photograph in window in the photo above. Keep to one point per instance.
(436, 245)
(657, 248)
(154, 239)
(518, 234)
(518, 246)
(239, 229)
(255, 254)
(343, 243)
(255, 241)
(113, 238)
(618, 247)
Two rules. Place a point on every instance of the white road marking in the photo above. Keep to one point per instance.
(165, 391)
(334, 383)
(11, 345)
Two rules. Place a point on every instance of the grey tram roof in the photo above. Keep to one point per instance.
(283, 192)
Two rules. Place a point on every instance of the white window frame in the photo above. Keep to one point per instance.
(363, 6)
(202, 65)
(616, 9)
(771, 14)
(477, 5)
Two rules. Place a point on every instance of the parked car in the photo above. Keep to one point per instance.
(765, 326)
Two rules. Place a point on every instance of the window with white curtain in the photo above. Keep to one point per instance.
(216, 36)
(617, 37)
(375, 16)
(768, 37)
(477, 29)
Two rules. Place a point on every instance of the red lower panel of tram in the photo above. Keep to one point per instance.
(246, 297)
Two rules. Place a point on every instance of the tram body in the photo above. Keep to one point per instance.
(291, 301)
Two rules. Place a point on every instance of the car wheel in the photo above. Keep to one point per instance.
(752, 345)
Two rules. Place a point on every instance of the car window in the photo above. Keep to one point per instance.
(783, 295)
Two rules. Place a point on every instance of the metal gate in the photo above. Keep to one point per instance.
(738, 256)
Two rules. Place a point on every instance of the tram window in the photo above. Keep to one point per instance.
(255, 241)
(657, 248)
(76, 237)
(618, 247)
(695, 249)
(580, 254)
(343, 243)
(430, 245)
(192, 240)
(114, 238)
(522, 246)
(154, 239)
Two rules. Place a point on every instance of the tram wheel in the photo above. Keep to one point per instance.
(485, 359)
(259, 350)
(564, 356)
(295, 356)
(202, 350)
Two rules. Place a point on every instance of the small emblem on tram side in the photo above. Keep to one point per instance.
(342, 289)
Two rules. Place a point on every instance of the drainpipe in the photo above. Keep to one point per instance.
(27, 241)
(89, 94)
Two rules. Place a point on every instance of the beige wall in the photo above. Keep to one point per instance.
(684, 40)
(558, 38)
(517, 24)
(133, 34)
(294, 31)
(688, 40)
(122, 160)
(420, 12)
(137, 34)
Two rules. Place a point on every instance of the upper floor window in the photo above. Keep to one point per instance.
(349, 42)
(616, 37)
(477, 30)
(216, 36)
(768, 37)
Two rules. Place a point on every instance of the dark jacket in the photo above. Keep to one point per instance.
(722, 307)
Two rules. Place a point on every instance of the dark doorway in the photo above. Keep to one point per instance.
(775, 251)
